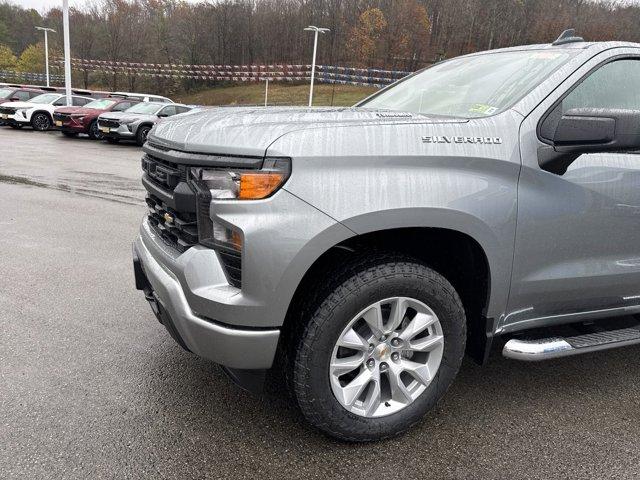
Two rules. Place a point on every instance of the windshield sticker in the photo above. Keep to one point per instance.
(483, 109)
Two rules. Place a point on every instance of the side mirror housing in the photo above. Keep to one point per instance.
(590, 130)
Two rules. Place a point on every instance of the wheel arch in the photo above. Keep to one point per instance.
(455, 254)
(46, 112)
(146, 123)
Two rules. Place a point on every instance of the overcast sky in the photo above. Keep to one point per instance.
(43, 5)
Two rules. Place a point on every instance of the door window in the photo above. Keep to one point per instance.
(122, 106)
(22, 95)
(614, 85)
(80, 101)
(167, 111)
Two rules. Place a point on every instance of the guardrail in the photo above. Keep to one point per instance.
(12, 75)
(244, 73)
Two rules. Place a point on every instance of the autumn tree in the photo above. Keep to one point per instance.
(365, 36)
(407, 34)
(393, 34)
(32, 59)
(7, 59)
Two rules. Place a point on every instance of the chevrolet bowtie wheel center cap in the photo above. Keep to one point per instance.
(382, 352)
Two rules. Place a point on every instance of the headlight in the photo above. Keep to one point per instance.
(22, 111)
(233, 184)
(240, 184)
(78, 117)
(127, 121)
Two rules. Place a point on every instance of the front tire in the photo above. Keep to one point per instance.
(41, 122)
(141, 135)
(379, 348)
(94, 131)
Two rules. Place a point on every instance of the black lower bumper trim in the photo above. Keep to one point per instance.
(142, 283)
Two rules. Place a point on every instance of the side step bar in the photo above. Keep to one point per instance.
(555, 347)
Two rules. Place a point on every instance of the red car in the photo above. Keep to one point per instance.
(18, 93)
(74, 120)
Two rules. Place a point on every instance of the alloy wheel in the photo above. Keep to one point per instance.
(94, 131)
(386, 357)
(41, 122)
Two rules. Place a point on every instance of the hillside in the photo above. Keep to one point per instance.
(279, 94)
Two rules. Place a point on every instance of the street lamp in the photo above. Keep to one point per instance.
(46, 47)
(67, 51)
(312, 28)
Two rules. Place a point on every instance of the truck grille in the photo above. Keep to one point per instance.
(178, 230)
(164, 174)
(7, 110)
(61, 117)
(179, 216)
(108, 123)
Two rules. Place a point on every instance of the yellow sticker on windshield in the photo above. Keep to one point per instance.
(483, 109)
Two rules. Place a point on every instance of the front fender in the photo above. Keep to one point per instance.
(498, 256)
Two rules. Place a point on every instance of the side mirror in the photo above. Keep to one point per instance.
(590, 130)
(14, 99)
(163, 115)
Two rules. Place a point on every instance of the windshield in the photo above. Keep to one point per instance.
(101, 104)
(5, 92)
(145, 108)
(471, 87)
(45, 98)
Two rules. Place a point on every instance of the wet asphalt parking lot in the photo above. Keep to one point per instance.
(91, 386)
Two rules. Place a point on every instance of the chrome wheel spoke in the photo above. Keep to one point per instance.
(373, 400)
(398, 311)
(373, 317)
(354, 389)
(352, 339)
(399, 391)
(419, 371)
(426, 344)
(417, 325)
(340, 366)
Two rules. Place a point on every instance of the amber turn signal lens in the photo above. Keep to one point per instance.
(254, 186)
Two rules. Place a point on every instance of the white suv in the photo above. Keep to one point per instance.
(37, 112)
(143, 97)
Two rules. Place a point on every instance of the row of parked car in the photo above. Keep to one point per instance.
(100, 115)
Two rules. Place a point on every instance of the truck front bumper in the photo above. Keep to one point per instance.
(231, 346)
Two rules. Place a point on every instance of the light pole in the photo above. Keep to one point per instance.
(312, 28)
(46, 48)
(67, 51)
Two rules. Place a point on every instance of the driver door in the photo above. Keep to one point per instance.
(577, 246)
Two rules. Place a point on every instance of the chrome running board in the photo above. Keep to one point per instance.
(555, 347)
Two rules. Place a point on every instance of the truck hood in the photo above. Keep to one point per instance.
(23, 105)
(79, 110)
(250, 131)
(136, 117)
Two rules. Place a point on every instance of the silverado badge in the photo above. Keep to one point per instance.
(456, 139)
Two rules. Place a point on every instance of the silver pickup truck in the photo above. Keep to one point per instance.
(492, 198)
